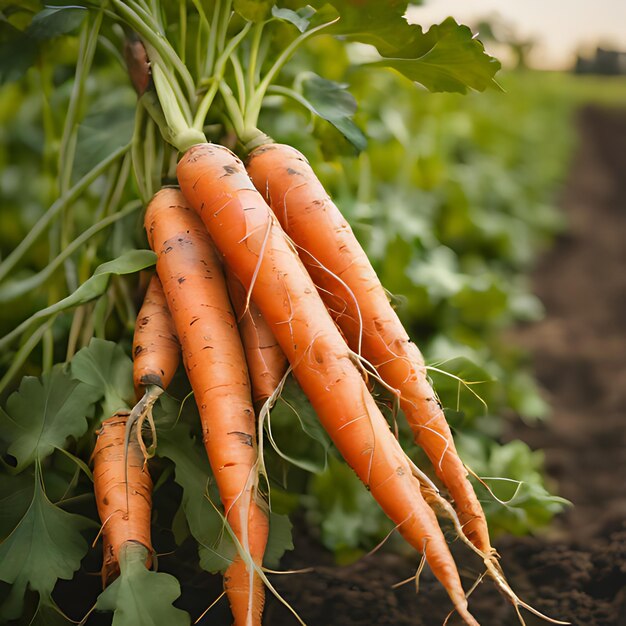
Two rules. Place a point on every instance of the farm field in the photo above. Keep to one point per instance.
(307, 316)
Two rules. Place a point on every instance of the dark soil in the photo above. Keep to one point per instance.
(578, 571)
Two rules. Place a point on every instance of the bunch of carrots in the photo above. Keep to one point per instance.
(259, 276)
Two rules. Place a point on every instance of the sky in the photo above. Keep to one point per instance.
(561, 27)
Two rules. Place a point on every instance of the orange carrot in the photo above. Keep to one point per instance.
(196, 293)
(353, 294)
(156, 350)
(125, 515)
(266, 362)
(254, 246)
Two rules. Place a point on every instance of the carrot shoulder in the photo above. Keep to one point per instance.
(125, 514)
(194, 286)
(353, 294)
(254, 246)
(267, 363)
(156, 350)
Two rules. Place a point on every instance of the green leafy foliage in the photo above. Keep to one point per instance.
(512, 491)
(300, 18)
(44, 413)
(53, 22)
(200, 497)
(333, 103)
(128, 263)
(108, 126)
(279, 539)
(45, 545)
(455, 61)
(253, 10)
(293, 411)
(140, 597)
(19, 48)
(104, 367)
(346, 512)
(445, 58)
(450, 200)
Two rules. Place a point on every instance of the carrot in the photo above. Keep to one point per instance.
(266, 362)
(156, 354)
(353, 294)
(125, 515)
(196, 293)
(254, 246)
(156, 350)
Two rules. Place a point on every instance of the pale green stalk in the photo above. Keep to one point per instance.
(250, 132)
(212, 46)
(223, 27)
(183, 136)
(137, 151)
(253, 70)
(160, 44)
(240, 80)
(19, 358)
(220, 66)
(182, 18)
(9, 263)
(34, 281)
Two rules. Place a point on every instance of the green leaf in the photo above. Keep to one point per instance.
(16, 494)
(193, 474)
(293, 408)
(335, 104)
(445, 58)
(347, 512)
(380, 24)
(105, 368)
(128, 263)
(454, 62)
(56, 21)
(46, 545)
(253, 10)
(49, 614)
(300, 18)
(140, 597)
(279, 540)
(44, 413)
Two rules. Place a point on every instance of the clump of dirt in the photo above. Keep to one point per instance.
(578, 571)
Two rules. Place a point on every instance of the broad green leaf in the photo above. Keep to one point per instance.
(140, 597)
(300, 18)
(104, 367)
(380, 24)
(279, 540)
(44, 413)
(193, 474)
(56, 21)
(455, 61)
(445, 58)
(335, 104)
(253, 10)
(16, 494)
(217, 558)
(128, 263)
(49, 614)
(45, 545)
